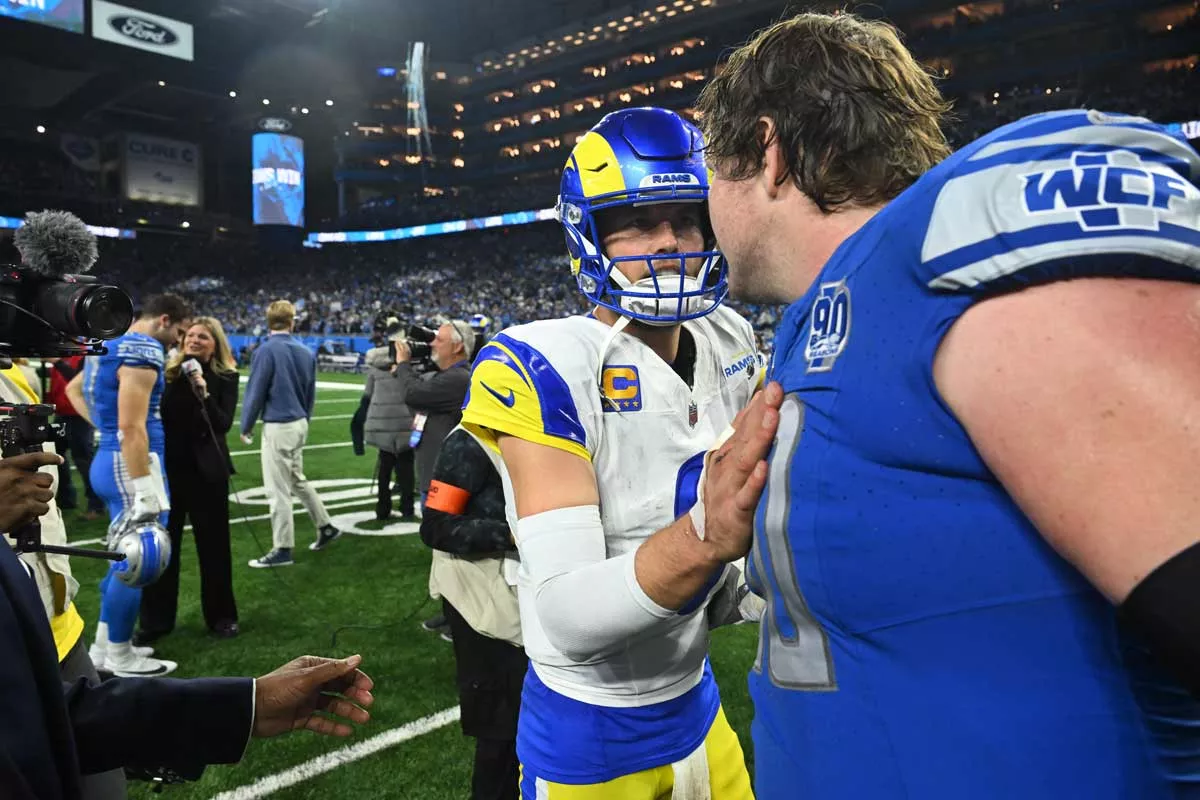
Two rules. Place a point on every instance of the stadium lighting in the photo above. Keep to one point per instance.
(162, 83)
(41, 128)
(329, 102)
(232, 93)
(304, 110)
(266, 102)
(185, 224)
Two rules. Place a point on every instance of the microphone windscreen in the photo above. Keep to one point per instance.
(55, 243)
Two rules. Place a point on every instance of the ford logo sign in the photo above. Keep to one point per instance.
(274, 124)
(143, 30)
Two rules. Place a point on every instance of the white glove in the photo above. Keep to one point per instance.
(149, 499)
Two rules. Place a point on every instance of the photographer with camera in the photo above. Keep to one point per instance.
(435, 398)
(438, 395)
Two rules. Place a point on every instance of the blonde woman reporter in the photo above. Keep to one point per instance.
(201, 391)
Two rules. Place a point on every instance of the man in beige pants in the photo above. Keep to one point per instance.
(283, 388)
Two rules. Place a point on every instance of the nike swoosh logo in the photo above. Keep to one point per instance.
(507, 399)
(599, 168)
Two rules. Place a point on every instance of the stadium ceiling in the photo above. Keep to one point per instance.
(295, 51)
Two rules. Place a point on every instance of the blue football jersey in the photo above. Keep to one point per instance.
(921, 639)
(100, 387)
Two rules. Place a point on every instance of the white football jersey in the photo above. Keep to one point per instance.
(645, 431)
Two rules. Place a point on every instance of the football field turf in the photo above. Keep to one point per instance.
(367, 593)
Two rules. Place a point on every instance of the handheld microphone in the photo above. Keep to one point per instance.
(191, 367)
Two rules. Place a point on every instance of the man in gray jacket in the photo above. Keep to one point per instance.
(388, 427)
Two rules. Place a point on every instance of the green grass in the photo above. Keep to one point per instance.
(377, 581)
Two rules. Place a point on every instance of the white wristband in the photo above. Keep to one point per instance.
(697, 515)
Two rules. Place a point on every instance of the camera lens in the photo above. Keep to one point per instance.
(105, 312)
(90, 310)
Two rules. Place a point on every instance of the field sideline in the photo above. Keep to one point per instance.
(366, 594)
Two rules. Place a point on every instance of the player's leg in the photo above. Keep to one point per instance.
(119, 603)
(727, 774)
(650, 784)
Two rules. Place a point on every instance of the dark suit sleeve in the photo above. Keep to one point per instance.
(182, 725)
(463, 470)
(443, 393)
(221, 402)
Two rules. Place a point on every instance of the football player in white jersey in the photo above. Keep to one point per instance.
(602, 423)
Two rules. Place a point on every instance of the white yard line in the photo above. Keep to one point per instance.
(338, 758)
(362, 501)
(332, 416)
(306, 447)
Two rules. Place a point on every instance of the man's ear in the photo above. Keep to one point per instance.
(774, 165)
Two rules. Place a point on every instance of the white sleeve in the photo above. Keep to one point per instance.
(586, 603)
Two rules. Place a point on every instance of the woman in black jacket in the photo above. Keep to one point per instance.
(197, 412)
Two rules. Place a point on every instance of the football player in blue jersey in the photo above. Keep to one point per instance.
(119, 393)
(978, 540)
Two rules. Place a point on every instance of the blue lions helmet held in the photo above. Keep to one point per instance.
(146, 547)
(638, 157)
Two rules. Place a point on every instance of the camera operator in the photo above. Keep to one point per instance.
(437, 396)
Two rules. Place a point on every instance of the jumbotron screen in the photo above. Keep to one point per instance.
(278, 180)
(66, 15)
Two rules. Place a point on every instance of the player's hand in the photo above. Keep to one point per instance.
(146, 507)
(247, 438)
(290, 697)
(736, 474)
(25, 493)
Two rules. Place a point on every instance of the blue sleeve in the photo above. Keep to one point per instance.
(262, 368)
(141, 354)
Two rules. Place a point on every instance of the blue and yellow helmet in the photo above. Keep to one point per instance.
(639, 156)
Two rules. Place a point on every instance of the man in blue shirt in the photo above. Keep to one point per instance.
(282, 389)
(119, 394)
(987, 432)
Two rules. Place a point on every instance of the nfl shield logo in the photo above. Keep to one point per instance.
(693, 415)
(829, 326)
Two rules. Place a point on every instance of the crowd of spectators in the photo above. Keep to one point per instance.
(512, 275)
